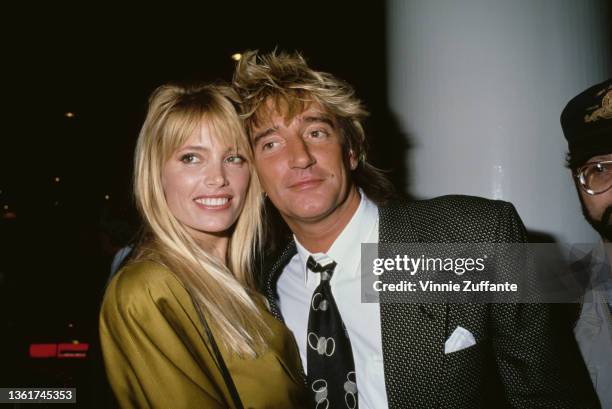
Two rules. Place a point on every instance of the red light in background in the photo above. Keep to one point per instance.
(43, 350)
(9, 215)
(74, 350)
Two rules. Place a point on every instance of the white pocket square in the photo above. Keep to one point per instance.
(460, 339)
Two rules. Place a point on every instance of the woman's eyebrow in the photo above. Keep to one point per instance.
(193, 148)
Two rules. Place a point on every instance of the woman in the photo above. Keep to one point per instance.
(181, 325)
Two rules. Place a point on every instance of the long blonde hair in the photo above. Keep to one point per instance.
(224, 293)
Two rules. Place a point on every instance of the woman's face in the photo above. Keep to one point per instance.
(205, 183)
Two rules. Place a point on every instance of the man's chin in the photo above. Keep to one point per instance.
(311, 214)
(309, 211)
(603, 226)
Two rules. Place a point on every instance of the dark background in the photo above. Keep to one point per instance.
(57, 239)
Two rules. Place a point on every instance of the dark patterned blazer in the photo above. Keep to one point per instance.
(517, 361)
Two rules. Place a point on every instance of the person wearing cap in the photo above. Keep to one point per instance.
(587, 125)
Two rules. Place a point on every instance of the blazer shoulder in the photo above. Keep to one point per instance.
(458, 206)
(459, 218)
(453, 205)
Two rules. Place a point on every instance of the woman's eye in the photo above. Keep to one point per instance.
(267, 145)
(189, 158)
(235, 159)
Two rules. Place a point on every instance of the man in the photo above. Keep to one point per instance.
(309, 148)
(587, 125)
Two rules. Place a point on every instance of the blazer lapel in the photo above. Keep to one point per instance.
(272, 294)
(413, 335)
(274, 274)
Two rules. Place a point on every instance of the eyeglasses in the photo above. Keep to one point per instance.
(595, 177)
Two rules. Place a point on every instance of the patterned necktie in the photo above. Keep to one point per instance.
(331, 369)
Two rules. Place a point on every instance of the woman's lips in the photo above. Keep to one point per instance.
(213, 203)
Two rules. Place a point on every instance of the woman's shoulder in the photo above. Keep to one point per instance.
(141, 272)
(142, 283)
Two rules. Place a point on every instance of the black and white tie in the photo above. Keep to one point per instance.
(331, 369)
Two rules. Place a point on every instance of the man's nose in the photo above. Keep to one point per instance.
(300, 154)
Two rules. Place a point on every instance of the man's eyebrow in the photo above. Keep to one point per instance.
(319, 118)
(263, 134)
(307, 119)
(601, 158)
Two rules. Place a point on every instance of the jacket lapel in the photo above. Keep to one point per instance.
(413, 335)
(272, 294)
(274, 274)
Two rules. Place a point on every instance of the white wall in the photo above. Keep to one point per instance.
(480, 84)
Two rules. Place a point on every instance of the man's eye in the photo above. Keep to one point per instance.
(235, 159)
(600, 168)
(318, 133)
(189, 158)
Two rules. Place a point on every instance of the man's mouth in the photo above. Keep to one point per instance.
(305, 184)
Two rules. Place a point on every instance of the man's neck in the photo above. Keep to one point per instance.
(317, 237)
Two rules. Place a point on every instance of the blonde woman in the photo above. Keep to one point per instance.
(181, 325)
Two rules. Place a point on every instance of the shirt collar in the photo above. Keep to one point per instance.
(346, 249)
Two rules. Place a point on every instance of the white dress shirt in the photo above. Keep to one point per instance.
(362, 320)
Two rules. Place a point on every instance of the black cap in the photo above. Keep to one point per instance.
(587, 124)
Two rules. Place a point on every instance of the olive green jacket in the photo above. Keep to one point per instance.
(157, 355)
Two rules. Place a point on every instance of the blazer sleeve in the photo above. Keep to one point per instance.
(153, 352)
(527, 346)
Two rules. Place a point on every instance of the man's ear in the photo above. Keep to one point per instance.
(353, 160)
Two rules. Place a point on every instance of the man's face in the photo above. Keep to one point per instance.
(301, 164)
(597, 209)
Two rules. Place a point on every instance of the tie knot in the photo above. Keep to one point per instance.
(326, 270)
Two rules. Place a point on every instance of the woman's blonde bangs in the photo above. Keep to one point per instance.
(224, 123)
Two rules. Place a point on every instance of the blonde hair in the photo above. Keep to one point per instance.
(279, 80)
(224, 293)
